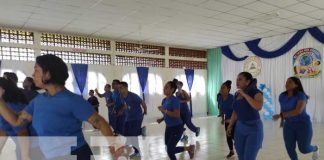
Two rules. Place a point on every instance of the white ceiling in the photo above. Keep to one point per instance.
(188, 23)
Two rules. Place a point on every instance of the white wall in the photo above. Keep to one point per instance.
(275, 71)
(99, 75)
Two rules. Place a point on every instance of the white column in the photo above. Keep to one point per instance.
(37, 43)
(167, 57)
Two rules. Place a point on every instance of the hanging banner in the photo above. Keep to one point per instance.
(142, 73)
(190, 74)
(80, 72)
(253, 65)
(307, 63)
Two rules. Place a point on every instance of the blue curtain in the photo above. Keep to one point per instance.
(142, 73)
(80, 72)
(229, 54)
(317, 34)
(190, 73)
(254, 46)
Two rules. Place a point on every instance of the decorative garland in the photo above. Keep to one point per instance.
(255, 49)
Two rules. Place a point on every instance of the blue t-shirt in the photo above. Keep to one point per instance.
(289, 103)
(116, 97)
(227, 105)
(59, 115)
(172, 103)
(8, 128)
(244, 110)
(108, 97)
(134, 109)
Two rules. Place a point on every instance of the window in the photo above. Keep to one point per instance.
(180, 52)
(16, 36)
(18, 54)
(187, 64)
(59, 40)
(139, 48)
(139, 61)
(80, 58)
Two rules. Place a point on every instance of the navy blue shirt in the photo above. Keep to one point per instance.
(245, 112)
(134, 110)
(227, 105)
(172, 103)
(59, 115)
(116, 97)
(290, 103)
(8, 128)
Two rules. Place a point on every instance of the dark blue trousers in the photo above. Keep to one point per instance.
(171, 139)
(300, 133)
(186, 117)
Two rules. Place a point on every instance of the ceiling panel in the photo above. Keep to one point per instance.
(261, 7)
(191, 23)
(301, 8)
(280, 3)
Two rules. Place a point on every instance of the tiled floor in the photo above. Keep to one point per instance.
(211, 144)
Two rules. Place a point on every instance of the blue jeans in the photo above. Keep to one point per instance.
(248, 139)
(300, 132)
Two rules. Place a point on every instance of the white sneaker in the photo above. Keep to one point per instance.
(316, 154)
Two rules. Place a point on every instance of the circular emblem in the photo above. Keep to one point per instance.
(307, 63)
(253, 65)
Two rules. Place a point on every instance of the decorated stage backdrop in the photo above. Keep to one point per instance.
(276, 68)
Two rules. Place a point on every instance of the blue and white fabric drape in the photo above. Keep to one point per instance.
(80, 72)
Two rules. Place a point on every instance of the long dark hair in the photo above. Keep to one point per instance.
(12, 93)
(173, 85)
(299, 87)
(253, 81)
(228, 84)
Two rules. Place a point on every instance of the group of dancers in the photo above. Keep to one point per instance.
(244, 127)
(59, 112)
(56, 111)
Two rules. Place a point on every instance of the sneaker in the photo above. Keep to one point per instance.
(135, 156)
(143, 131)
(316, 154)
(191, 151)
(198, 131)
(184, 138)
(230, 154)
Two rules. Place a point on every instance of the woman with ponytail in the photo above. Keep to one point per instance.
(57, 112)
(225, 101)
(174, 126)
(248, 101)
(297, 126)
(16, 101)
(185, 113)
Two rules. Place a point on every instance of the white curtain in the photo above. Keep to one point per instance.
(275, 71)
